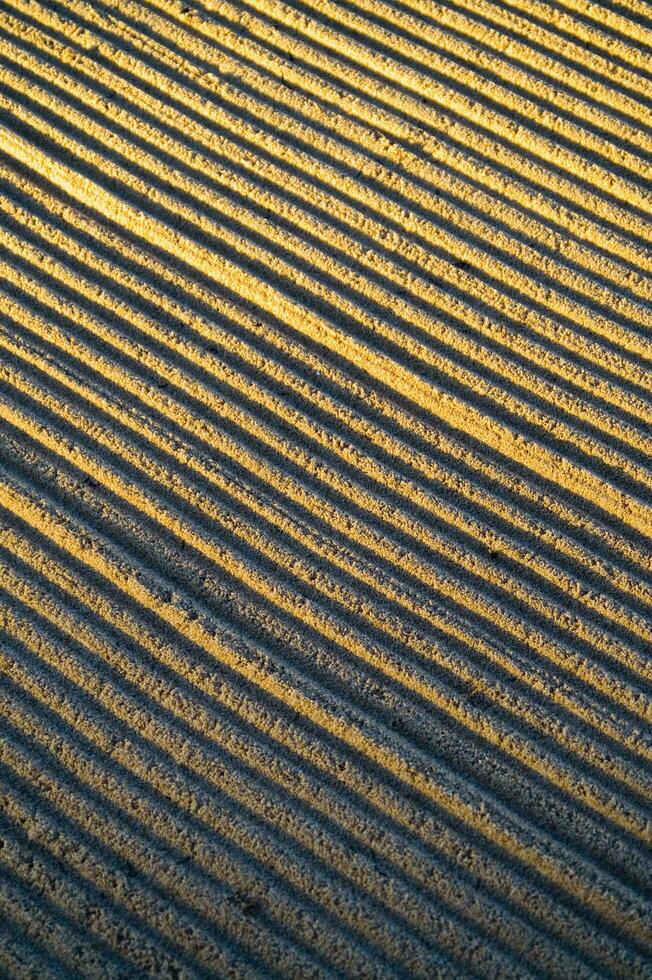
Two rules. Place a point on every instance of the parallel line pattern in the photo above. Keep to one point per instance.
(325, 488)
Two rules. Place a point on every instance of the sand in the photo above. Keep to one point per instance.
(325, 488)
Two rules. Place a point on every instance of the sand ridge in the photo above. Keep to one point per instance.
(325, 488)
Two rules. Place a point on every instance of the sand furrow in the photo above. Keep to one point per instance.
(390, 846)
(439, 301)
(590, 23)
(38, 923)
(207, 330)
(384, 368)
(602, 944)
(195, 797)
(381, 657)
(362, 34)
(293, 824)
(20, 956)
(201, 324)
(434, 780)
(459, 32)
(551, 46)
(398, 114)
(81, 802)
(344, 560)
(191, 65)
(325, 488)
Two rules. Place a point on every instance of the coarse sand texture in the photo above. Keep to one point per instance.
(325, 489)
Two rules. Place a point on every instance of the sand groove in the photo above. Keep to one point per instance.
(325, 488)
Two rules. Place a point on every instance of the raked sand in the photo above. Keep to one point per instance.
(325, 488)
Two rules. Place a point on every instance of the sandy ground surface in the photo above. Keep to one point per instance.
(325, 488)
